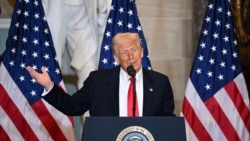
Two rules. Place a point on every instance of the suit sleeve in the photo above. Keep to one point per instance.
(72, 105)
(169, 100)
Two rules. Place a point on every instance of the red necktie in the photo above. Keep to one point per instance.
(131, 98)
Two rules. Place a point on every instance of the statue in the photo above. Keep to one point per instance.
(12, 2)
(241, 18)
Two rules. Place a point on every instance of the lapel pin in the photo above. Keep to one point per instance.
(151, 90)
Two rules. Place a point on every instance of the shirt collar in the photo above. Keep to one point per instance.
(124, 75)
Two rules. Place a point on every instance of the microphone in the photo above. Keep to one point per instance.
(131, 71)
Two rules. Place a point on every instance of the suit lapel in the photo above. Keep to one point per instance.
(148, 91)
(113, 90)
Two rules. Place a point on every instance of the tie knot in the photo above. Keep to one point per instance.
(132, 79)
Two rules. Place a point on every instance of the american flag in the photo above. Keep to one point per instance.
(216, 103)
(24, 114)
(122, 18)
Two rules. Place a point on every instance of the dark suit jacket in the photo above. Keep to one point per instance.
(100, 95)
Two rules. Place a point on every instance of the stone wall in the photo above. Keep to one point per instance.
(167, 25)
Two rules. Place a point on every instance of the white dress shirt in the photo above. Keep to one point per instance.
(123, 92)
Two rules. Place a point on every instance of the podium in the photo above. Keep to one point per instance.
(134, 129)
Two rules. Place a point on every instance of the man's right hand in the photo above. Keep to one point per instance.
(41, 78)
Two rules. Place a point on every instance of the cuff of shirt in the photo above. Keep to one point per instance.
(45, 92)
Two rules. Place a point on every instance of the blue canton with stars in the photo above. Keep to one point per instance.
(217, 60)
(29, 43)
(122, 18)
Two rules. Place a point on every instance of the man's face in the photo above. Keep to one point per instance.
(129, 52)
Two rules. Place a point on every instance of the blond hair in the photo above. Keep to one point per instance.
(122, 38)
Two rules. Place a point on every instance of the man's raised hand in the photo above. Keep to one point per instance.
(41, 78)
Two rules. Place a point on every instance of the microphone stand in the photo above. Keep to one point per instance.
(134, 96)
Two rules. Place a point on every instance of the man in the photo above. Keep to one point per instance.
(104, 92)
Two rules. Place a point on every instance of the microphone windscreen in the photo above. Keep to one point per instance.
(130, 70)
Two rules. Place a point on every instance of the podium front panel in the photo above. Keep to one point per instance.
(124, 128)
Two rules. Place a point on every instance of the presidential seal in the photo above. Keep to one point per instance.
(135, 133)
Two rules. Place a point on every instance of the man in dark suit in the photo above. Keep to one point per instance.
(104, 92)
